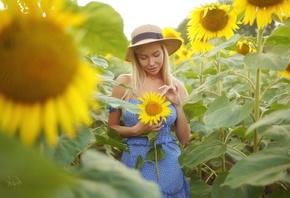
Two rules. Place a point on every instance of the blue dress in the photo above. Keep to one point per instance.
(172, 182)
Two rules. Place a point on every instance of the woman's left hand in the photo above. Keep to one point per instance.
(172, 94)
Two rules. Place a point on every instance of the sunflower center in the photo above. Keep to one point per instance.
(153, 108)
(265, 3)
(243, 48)
(38, 60)
(214, 20)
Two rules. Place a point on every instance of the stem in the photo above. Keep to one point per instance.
(219, 82)
(238, 151)
(257, 92)
(156, 161)
(248, 79)
(200, 73)
(222, 138)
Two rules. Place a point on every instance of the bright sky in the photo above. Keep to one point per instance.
(163, 13)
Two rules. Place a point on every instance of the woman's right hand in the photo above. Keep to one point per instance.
(142, 128)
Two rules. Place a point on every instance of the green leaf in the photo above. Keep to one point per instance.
(199, 128)
(236, 60)
(224, 45)
(209, 148)
(98, 61)
(25, 173)
(102, 176)
(103, 31)
(140, 162)
(152, 137)
(262, 168)
(209, 81)
(221, 113)
(276, 59)
(160, 153)
(67, 149)
(194, 109)
(102, 140)
(276, 118)
(280, 36)
(114, 135)
(198, 188)
(279, 194)
(118, 103)
(244, 191)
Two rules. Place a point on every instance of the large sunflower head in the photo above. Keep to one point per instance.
(153, 108)
(262, 10)
(211, 20)
(43, 82)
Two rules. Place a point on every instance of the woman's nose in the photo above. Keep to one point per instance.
(151, 61)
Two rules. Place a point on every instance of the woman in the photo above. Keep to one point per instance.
(151, 73)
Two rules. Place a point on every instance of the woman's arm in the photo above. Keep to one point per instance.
(177, 94)
(181, 125)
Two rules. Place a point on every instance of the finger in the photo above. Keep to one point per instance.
(165, 91)
(176, 87)
(163, 86)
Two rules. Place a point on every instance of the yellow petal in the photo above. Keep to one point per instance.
(65, 119)
(31, 125)
(50, 122)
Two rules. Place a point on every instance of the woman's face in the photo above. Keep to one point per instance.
(151, 57)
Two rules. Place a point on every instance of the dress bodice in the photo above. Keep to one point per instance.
(164, 134)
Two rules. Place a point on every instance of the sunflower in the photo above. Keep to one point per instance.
(44, 87)
(211, 20)
(184, 53)
(200, 46)
(286, 72)
(169, 32)
(153, 108)
(262, 10)
(244, 47)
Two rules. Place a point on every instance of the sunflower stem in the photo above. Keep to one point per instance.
(156, 161)
(257, 92)
(218, 71)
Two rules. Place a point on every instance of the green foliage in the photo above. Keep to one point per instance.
(222, 113)
(25, 172)
(103, 31)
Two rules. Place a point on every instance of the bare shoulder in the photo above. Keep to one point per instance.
(120, 91)
(124, 78)
(179, 84)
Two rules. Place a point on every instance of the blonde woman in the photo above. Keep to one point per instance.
(149, 55)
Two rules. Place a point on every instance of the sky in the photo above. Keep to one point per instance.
(163, 13)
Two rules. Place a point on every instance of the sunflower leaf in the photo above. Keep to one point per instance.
(232, 114)
(275, 59)
(104, 30)
(160, 153)
(140, 162)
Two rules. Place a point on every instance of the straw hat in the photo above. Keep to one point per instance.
(149, 34)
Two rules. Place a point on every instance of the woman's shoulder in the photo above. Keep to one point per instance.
(121, 91)
(124, 78)
(178, 83)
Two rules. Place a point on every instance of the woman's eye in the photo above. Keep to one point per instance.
(156, 55)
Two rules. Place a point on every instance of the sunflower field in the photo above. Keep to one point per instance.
(59, 62)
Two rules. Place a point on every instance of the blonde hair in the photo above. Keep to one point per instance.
(138, 75)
